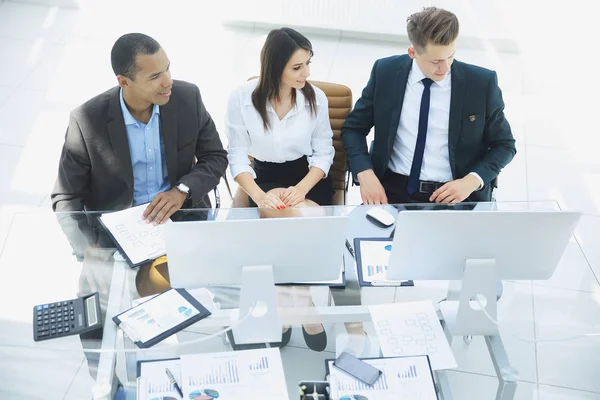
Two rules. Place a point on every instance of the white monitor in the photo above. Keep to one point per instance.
(433, 245)
(203, 253)
(256, 253)
(479, 248)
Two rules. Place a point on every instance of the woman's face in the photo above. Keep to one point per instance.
(297, 70)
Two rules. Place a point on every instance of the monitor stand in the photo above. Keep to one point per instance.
(258, 297)
(462, 313)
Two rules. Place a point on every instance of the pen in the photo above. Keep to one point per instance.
(174, 382)
(349, 247)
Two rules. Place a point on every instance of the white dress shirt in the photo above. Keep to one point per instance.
(299, 133)
(436, 158)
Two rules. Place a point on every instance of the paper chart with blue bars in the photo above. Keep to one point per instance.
(374, 259)
(402, 378)
(237, 375)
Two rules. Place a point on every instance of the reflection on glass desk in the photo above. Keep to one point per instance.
(47, 257)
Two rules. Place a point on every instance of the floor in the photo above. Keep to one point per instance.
(54, 58)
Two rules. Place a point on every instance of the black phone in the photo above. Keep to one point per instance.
(357, 368)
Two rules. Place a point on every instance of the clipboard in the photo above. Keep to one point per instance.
(127, 225)
(140, 362)
(123, 252)
(151, 322)
(364, 272)
(329, 361)
(340, 283)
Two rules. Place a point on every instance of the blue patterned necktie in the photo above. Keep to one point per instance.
(415, 169)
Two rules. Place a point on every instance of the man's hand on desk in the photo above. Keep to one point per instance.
(164, 205)
(371, 190)
(456, 190)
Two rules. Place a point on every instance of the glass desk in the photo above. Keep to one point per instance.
(39, 265)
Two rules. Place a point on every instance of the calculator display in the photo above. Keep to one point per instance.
(90, 304)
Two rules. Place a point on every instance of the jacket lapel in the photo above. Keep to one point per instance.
(401, 80)
(168, 131)
(456, 105)
(118, 138)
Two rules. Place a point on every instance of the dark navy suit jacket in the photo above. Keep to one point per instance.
(479, 136)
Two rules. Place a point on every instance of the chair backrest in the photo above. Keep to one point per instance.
(339, 98)
(340, 105)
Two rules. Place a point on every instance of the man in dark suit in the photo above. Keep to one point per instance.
(440, 131)
(148, 140)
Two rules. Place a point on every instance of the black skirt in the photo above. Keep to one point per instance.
(282, 175)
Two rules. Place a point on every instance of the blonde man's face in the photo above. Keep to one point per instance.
(435, 60)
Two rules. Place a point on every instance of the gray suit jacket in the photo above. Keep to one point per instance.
(95, 171)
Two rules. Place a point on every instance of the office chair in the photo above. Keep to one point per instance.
(340, 105)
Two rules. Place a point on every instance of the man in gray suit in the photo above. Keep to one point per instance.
(148, 140)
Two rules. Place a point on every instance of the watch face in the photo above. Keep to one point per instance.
(183, 188)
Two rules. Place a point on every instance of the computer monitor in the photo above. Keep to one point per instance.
(479, 248)
(256, 254)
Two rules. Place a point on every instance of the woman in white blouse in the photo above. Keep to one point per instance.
(282, 121)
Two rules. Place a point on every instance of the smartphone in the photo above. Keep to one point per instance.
(357, 368)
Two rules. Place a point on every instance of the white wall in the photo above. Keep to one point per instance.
(482, 23)
(60, 3)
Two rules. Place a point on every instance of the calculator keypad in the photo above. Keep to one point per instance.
(55, 319)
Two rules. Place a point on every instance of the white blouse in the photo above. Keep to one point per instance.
(299, 133)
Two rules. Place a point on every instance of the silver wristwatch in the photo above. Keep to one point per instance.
(183, 188)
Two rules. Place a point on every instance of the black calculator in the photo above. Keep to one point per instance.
(68, 317)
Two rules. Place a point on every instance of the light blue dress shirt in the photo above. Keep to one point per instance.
(146, 147)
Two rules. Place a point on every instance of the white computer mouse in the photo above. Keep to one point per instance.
(381, 216)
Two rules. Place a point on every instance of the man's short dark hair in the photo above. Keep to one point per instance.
(126, 49)
(432, 25)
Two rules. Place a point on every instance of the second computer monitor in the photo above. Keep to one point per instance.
(434, 245)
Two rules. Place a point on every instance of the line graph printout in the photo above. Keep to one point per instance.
(409, 329)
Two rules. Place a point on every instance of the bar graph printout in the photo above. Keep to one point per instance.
(237, 375)
(154, 384)
(402, 378)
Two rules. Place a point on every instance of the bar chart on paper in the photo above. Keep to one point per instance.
(223, 372)
(376, 269)
(234, 374)
(401, 378)
(355, 385)
(410, 373)
(261, 365)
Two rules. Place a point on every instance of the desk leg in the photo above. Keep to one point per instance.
(106, 384)
(507, 376)
(443, 385)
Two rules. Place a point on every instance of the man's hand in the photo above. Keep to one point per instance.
(371, 190)
(292, 196)
(270, 200)
(164, 205)
(456, 190)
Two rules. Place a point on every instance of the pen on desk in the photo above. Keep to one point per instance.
(349, 247)
(174, 382)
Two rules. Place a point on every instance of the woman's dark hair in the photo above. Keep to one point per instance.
(276, 53)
